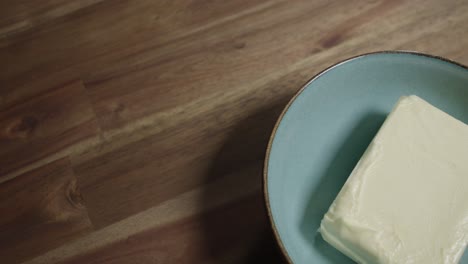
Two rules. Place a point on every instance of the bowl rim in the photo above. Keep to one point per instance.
(266, 198)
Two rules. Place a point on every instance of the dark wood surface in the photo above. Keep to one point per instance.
(135, 131)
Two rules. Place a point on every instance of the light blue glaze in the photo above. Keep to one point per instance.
(329, 125)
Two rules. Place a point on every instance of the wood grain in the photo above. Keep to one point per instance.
(22, 15)
(41, 210)
(46, 126)
(209, 197)
(81, 52)
(178, 168)
(166, 129)
(208, 239)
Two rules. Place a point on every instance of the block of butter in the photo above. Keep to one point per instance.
(406, 200)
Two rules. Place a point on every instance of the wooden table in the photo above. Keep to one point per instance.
(134, 131)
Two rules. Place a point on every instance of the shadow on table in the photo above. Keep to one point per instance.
(239, 231)
(333, 179)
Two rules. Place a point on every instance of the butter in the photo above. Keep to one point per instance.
(406, 200)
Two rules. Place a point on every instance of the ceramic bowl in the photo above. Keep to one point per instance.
(325, 129)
